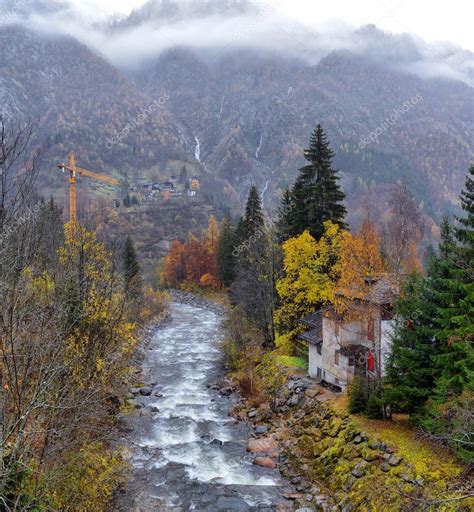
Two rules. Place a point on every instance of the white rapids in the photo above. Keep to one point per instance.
(188, 454)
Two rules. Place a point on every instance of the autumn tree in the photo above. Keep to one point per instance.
(403, 233)
(174, 270)
(310, 278)
(360, 264)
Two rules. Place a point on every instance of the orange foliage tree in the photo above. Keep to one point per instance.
(360, 264)
(194, 263)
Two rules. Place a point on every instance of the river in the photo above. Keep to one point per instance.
(186, 452)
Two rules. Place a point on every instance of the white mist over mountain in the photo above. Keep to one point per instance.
(132, 39)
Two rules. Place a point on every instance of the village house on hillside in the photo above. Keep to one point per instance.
(341, 346)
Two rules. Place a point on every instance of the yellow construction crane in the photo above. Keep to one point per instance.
(73, 170)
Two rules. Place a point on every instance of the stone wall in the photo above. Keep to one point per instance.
(334, 465)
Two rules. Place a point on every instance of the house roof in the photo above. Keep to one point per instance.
(313, 336)
(382, 291)
(315, 319)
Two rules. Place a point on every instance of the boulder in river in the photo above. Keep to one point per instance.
(265, 444)
(145, 391)
(265, 462)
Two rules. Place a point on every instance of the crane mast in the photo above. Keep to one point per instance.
(73, 171)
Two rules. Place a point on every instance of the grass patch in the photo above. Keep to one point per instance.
(292, 362)
(430, 462)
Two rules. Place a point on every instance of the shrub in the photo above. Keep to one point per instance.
(358, 395)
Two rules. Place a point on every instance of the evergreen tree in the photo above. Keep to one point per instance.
(226, 254)
(253, 218)
(410, 366)
(456, 311)
(465, 230)
(284, 224)
(455, 365)
(131, 269)
(358, 395)
(252, 289)
(316, 194)
(183, 176)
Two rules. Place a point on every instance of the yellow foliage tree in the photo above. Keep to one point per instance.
(310, 277)
(360, 265)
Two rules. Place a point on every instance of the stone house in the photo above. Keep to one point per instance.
(339, 347)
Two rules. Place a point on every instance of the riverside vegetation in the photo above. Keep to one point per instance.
(73, 308)
(402, 442)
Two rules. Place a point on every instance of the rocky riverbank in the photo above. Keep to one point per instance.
(197, 301)
(333, 464)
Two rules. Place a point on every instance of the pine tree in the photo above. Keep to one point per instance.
(358, 395)
(131, 269)
(226, 254)
(456, 313)
(253, 218)
(284, 224)
(252, 289)
(183, 176)
(316, 194)
(410, 366)
(465, 230)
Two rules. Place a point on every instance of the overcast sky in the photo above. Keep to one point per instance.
(433, 20)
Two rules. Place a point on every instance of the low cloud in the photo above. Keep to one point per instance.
(132, 42)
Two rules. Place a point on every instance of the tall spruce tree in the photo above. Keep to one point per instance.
(226, 254)
(449, 413)
(410, 365)
(252, 289)
(456, 313)
(284, 229)
(316, 194)
(253, 218)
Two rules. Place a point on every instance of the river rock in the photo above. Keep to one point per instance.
(394, 460)
(265, 462)
(292, 495)
(360, 469)
(264, 444)
(261, 429)
(145, 391)
(311, 392)
(252, 414)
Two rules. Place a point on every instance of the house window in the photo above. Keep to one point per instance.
(370, 329)
(352, 361)
(318, 348)
(318, 372)
(336, 357)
